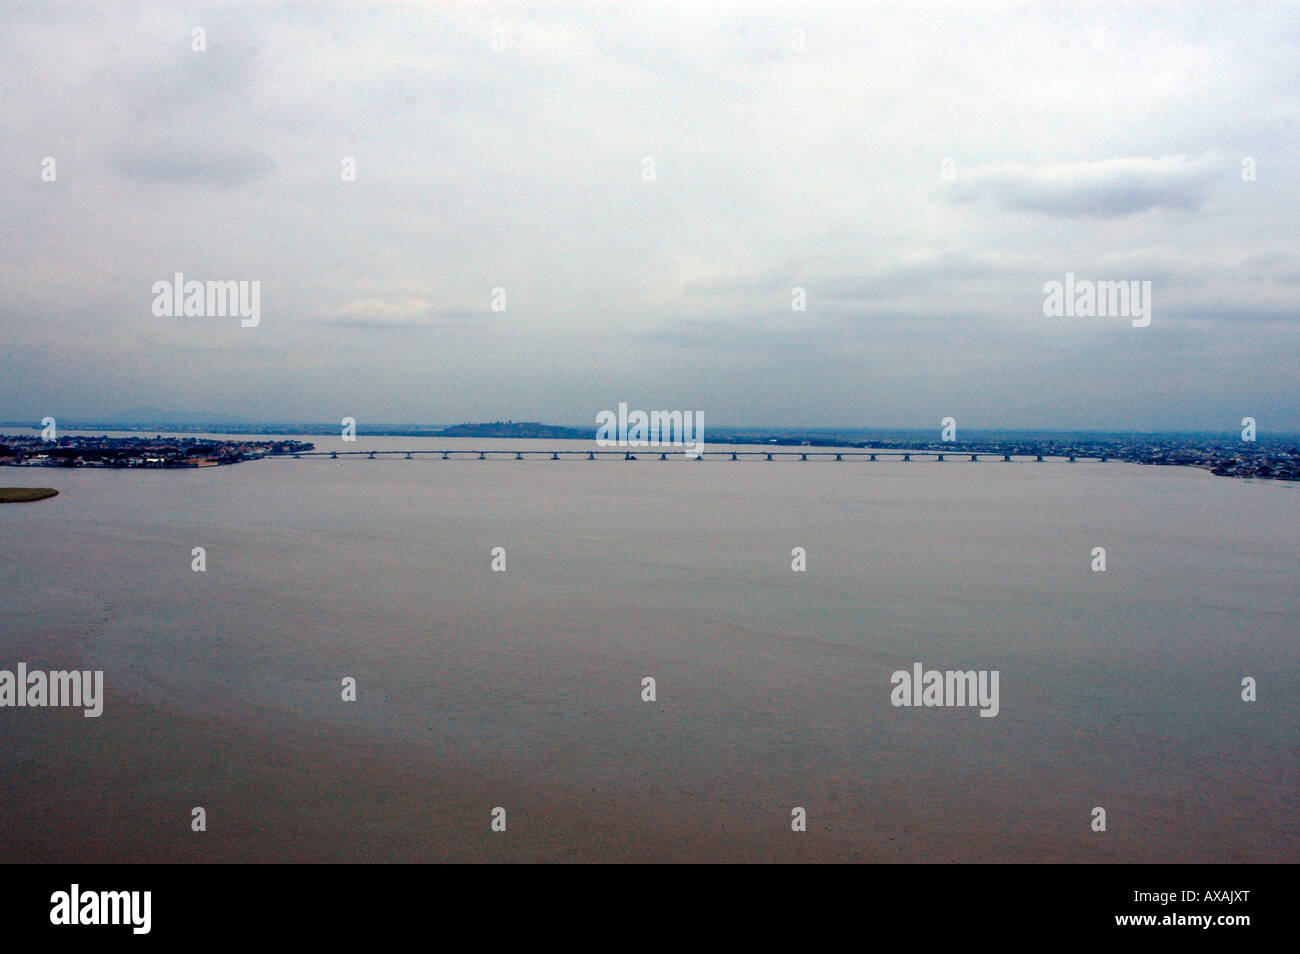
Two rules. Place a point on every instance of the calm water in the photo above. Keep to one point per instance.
(1119, 689)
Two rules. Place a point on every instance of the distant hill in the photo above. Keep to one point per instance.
(521, 429)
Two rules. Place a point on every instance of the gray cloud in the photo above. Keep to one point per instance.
(397, 314)
(1106, 188)
(216, 167)
(922, 271)
(801, 145)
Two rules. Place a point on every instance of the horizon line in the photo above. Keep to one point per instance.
(377, 429)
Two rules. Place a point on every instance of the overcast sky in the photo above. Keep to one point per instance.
(795, 146)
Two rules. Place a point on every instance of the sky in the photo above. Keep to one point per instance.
(647, 193)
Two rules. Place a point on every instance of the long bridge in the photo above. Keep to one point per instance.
(660, 453)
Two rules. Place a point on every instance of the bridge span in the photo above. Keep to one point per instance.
(677, 453)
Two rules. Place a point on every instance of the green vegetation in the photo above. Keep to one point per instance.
(25, 494)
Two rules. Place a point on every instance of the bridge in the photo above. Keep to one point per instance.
(662, 453)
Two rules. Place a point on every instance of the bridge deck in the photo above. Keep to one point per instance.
(659, 453)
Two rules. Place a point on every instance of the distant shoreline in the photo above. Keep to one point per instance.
(532, 430)
(1271, 457)
(130, 452)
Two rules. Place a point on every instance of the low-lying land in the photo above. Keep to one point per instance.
(25, 494)
(1274, 457)
(158, 451)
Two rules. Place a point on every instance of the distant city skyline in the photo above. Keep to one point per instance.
(814, 215)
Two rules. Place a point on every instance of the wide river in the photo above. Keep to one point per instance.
(523, 689)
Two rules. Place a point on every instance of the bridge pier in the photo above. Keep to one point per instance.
(873, 456)
(1103, 460)
(444, 456)
(519, 455)
(733, 456)
(907, 457)
(975, 457)
(334, 455)
(555, 455)
(1071, 458)
(838, 457)
(1007, 458)
(408, 455)
(663, 456)
(803, 456)
(769, 456)
(939, 459)
(1039, 458)
(482, 456)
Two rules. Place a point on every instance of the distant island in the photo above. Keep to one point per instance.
(26, 494)
(523, 430)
